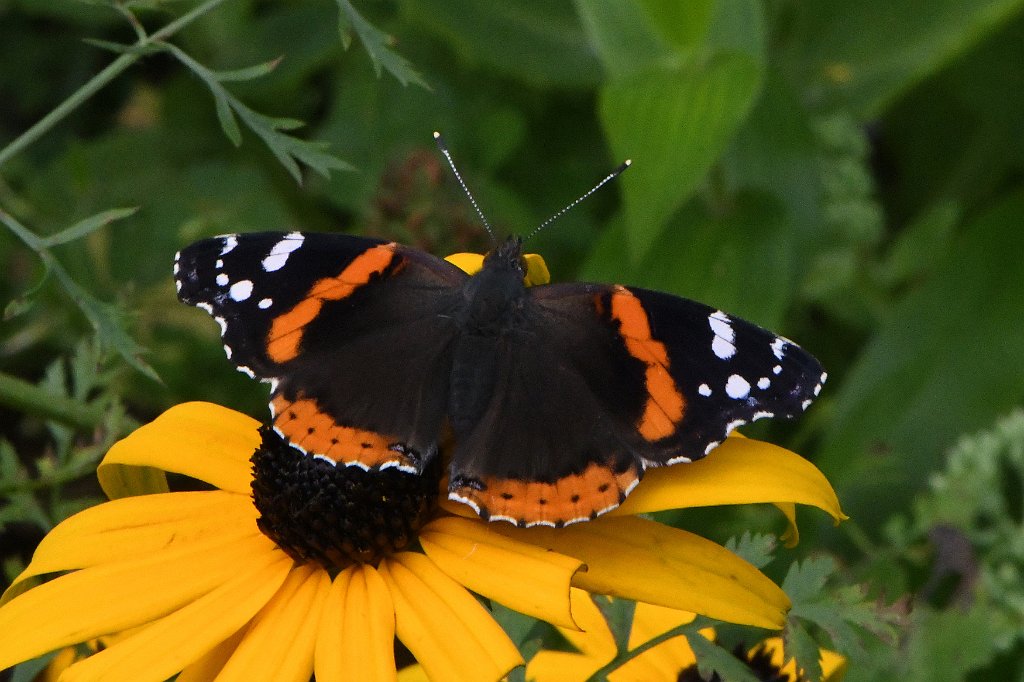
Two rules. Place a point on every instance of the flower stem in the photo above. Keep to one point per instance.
(94, 84)
(32, 399)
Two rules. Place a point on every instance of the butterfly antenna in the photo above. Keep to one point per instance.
(608, 178)
(447, 155)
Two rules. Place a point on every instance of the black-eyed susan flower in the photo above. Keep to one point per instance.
(672, 659)
(190, 583)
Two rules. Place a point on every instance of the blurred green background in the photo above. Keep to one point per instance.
(850, 174)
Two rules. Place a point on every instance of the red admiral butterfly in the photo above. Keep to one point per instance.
(559, 396)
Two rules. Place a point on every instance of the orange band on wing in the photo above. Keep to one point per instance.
(665, 403)
(570, 499)
(286, 331)
(304, 425)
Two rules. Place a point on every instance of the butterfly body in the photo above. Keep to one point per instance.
(558, 396)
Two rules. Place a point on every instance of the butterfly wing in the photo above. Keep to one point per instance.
(601, 382)
(353, 334)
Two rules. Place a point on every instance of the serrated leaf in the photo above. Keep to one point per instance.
(87, 226)
(757, 550)
(377, 44)
(227, 119)
(805, 581)
(712, 657)
(800, 645)
(247, 73)
(107, 321)
(290, 151)
(24, 302)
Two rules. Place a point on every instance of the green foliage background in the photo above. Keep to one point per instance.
(850, 174)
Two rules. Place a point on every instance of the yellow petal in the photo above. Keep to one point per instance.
(595, 644)
(278, 644)
(521, 576)
(136, 526)
(739, 471)
(443, 625)
(114, 597)
(413, 673)
(208, 666)
(536, 269)
(470, 263)
(647, 561)
(357, 629)
(833, 665)
(166, 646)
(664, 660)
(791, 536)
(202, 440)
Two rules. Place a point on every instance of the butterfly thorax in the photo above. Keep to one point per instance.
(493, 304)
(493, 295)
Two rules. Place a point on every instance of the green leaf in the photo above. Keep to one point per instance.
(24, 302)
(758, 550)
(533, 41)
(624, 37)
(683, 25)
(800, 645)
(673, 124)
(937, 367)
(805, 581)
(873, 51)
(712, 657)
(248, 73)
(87, 226)
(378, 46)
(290, 151)
(715, 256)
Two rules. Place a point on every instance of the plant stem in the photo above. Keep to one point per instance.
(95, 83)
(32, 399)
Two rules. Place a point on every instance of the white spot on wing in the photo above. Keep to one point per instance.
(230, 242)
(278, 255)
(219, 264)
(265, 303)
(779, 347)
(777, 369)
(222, 279)
(240, 291)
(711, 446)
(223, 324)
(681, 459)
(737, 387)
(202, 305)
(704, 390)
(805, 404)
(722, 345)
(763, 383)
(762, 415)
(733, 425)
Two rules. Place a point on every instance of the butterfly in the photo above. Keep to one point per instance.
(559, 396)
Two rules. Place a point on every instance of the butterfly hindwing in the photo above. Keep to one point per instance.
(601, 382)
(349, 331)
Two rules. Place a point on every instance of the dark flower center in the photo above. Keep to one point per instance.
(336, 515)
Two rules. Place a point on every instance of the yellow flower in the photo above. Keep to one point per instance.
(190, 583)
(671, 659)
